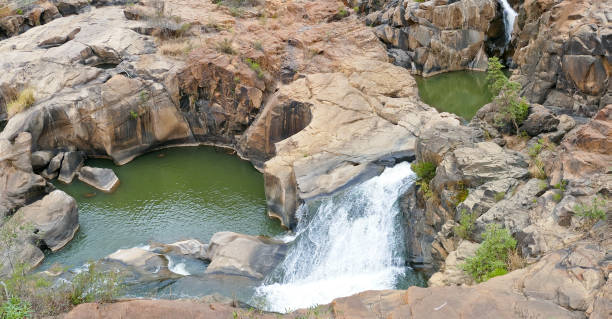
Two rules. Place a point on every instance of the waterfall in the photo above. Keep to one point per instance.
(509, 16)
(345, 244)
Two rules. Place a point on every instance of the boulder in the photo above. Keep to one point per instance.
(55, 218)
(51, 222)
(243, 255)
(481, 199)
(540, 120)
(40, 159)
(452, 274)
(190, 247)
(19, 185)
(71, 163)
(141, 264)
(53, 167)
(103, 179)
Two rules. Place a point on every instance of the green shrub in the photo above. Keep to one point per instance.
(15, 308)
(342, 12)
(491, 257)
(595, 211)
(557, 197)
(425, 172)
(461, 193)
(466, 224)
(255, 67)
(512, 107)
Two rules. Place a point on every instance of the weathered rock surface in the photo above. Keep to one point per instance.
(19, 185)
(103, 179)
(243, 255)
(51, 221)
(452, 274)
(563, 49)
(141, 264)
(71, 163)
(189, 247)
(439, 36)
(41, 159)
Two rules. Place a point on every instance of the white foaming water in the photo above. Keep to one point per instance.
(352, 243)
(178, 269)
(509, 17)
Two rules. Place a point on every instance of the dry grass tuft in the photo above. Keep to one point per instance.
(515, 260)
(176, 47)
(24, 100)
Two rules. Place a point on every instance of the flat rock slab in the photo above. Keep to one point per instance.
(103, 179)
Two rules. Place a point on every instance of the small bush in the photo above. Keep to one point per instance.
(342, 12)
(461, 193)
(513, 108)
(15, 308)
(491, 257)
(561, 186)
(134, 115)
(425, 172)
(226, 47)
(24, 100)
(595, 211)
(557, 197)
(93, 285)
(255, 67)
(466, 224)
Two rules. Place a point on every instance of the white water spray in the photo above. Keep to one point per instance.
(353, 242)
(509, 17)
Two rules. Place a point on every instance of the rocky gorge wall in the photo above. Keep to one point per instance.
(339, 114)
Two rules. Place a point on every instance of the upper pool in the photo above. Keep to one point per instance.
(462, 92)
(166, 196)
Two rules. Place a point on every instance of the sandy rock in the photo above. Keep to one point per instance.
(452, 274)
(243, 255)
(18, 184)
(103, 179)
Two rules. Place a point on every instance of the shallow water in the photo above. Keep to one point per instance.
(166, 196)
(462, 92)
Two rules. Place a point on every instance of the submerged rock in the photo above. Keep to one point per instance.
(140, 264)
(103, 179)
(243, 255)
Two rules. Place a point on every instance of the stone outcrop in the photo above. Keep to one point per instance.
(19, 185)
(452, 274)
(140, 264)
(562, 50)
(243, 255)
(50, 222)
(103, 179)
(439, 36)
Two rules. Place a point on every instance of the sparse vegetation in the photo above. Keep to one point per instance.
(37, 296)
(466, 225)
(425, 172)
(512, 108)
(24, 100)
(257, 45)
(134, 114)
(461, 193)
(492, 257)
(499, 196)
(595, 211)
(557, 197)
(226, 47)
(342, 12)
(255, 67)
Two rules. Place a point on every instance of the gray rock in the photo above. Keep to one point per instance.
(190, 247)
(513, 212)
(540, 120)
(103, 179)
(52, 169)
(243, 255)
(71, 163)
(140, 264)
(41, 159)
(452, 274)
(481, 199)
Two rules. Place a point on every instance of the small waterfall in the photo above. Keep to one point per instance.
(347, 243)
(509, 17)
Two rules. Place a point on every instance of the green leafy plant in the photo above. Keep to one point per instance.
(595, 211)
(557, 197)
(342, 12)
(491, 257)
(255, 67)
(15, 308)
(466, 225)
(19, 11)
(134, 114)
(461, 193)
(561, 186)
(512, 107)
(425, 172)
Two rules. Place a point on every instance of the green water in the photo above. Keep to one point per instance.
(461, 92)
(167, 196)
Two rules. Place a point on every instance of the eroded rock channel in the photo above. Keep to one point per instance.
(376, 189)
